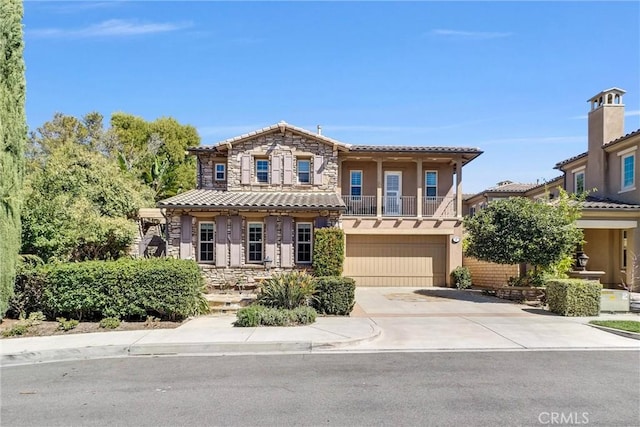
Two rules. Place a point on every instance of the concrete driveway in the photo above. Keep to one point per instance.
(449, 319)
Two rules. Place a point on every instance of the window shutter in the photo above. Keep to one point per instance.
(272, 237)
(245, 169)
(236, 240)
(318, 169)
(321, 222)
(288, 170)
(221, 241)
(276, 162)
(186, 228)
(286, 246)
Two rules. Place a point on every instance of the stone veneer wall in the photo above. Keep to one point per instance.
(206, 172)
(278, 144)
(489, 274)
(219, 275)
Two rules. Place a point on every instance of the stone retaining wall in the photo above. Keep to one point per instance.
(490, 274)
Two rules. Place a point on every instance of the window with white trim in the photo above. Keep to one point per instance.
(206, 236)
(356, 185)
(431, 183)
(262, 170)
(304, 240)
(221, 171)
(304, 171)
(254, 242)
(578, 182)
(628, 168)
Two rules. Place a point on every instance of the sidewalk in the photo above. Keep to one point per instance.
(384, 319)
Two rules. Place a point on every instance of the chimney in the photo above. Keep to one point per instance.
(319, 130)
(605, 123)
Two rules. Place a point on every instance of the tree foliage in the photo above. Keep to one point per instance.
(79, 203)
(520, 230)
(13, 132)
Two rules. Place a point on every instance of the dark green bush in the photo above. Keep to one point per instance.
(258, 315)
(461, 277)
(574, 297)
(287, 290)
(328, 251)
(28, 291)
(334, 295)
(125, 289)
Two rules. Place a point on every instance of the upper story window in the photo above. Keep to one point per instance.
(304, 171)
(578, 182)
(206, 236)
(254, 242)
(431, 183)
(628, 171)
(262, 170)
(221, 172)
(304, 237)
(356, 184)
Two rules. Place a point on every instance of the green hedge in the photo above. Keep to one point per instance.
(461, 277)
(574, 297)
(334, 295)
(165, 288)
(328, 251)
(258, 315)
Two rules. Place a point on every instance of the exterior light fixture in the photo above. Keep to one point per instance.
(267, 263)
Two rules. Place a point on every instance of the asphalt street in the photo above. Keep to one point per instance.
(396, 389)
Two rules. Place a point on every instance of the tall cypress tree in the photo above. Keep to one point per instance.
(13, 134)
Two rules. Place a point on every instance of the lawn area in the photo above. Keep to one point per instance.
(623, 325)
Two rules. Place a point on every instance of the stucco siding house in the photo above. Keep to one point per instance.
(261, 195)
(608, 172)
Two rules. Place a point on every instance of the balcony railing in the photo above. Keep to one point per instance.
(403, 206)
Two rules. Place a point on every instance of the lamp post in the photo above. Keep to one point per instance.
(581, 259)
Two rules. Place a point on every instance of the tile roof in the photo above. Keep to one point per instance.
(593, 202)
(400, 148)
(250, 199)
(547, 182)
(512, 187)
(622, 138)
(569, 160)
(281, 126)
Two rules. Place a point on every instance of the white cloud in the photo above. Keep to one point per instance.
(632, 113)
(110, 28)
(472, 35)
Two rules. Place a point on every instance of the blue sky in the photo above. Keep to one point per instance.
(511, 78)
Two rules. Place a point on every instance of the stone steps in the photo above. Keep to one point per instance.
(229, 303)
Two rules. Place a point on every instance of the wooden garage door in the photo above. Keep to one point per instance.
(396, 260)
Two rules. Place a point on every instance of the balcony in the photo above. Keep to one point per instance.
(404, 206)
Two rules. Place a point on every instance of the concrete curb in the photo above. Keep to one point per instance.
(185, 348)
(627, 334)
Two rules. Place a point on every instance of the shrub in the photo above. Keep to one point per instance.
(257, 315)
(574, 297)
(334, 295)
(248, 317)
(287, 290)
(166, 288)
(28, 291)
(67, 325)
(328, 251)
(461, 277)
(16, 330)
(110, 323)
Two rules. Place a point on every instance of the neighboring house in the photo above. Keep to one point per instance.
(608, 172)
(261, 195)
